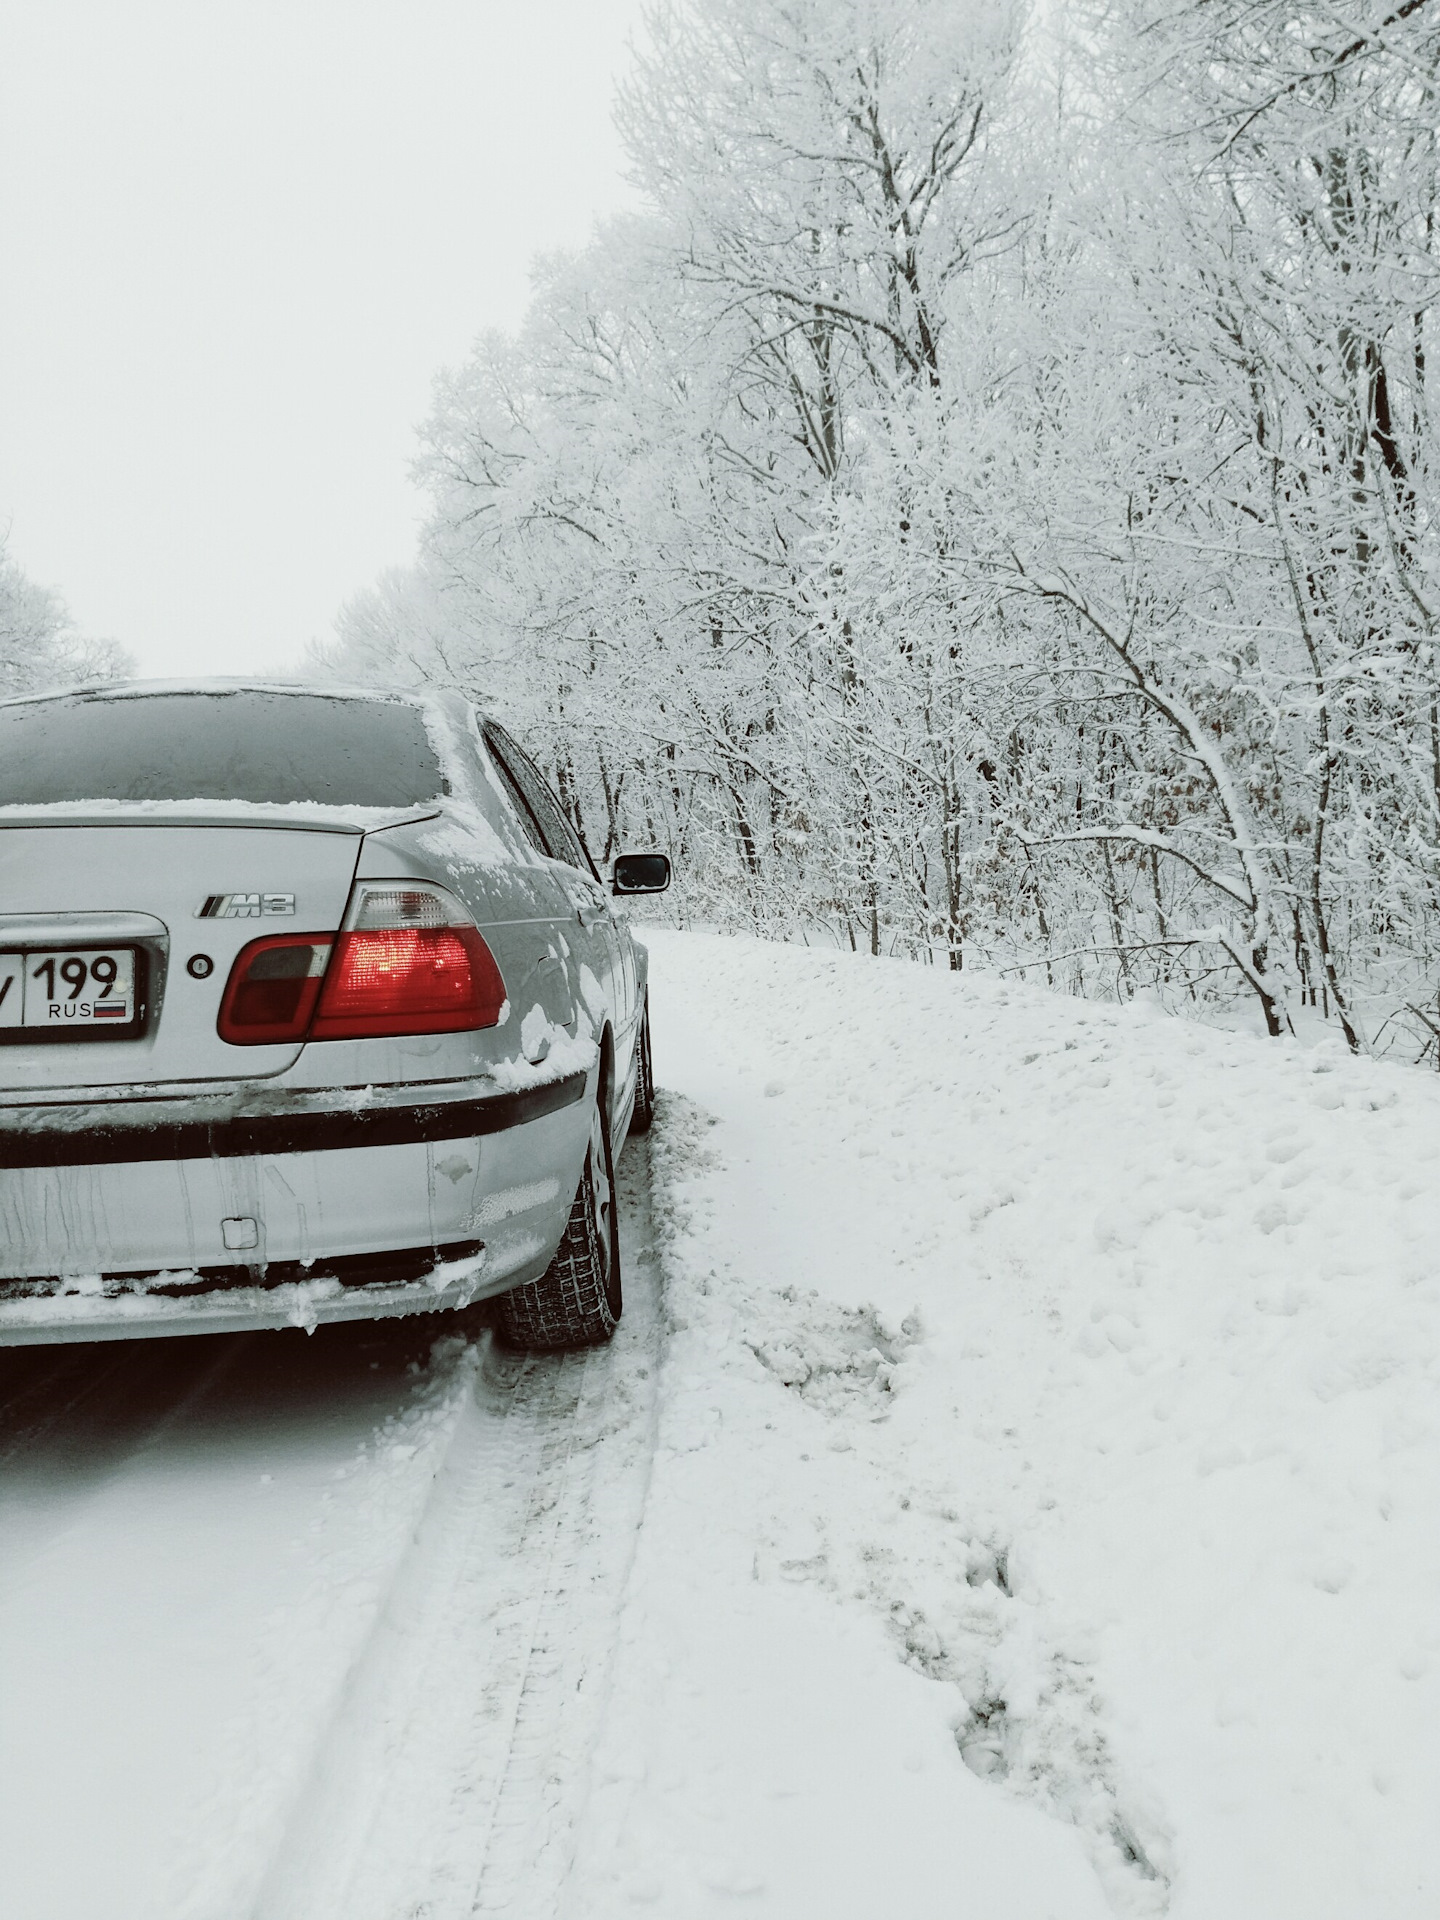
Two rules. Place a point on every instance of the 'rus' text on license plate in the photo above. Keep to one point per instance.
(74, 987)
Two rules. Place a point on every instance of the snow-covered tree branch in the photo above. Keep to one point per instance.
(983, 504)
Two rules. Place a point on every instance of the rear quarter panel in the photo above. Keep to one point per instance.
(556, 1009)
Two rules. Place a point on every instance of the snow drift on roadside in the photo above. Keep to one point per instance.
(1084, 1362)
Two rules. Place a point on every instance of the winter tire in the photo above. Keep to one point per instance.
(643, 1115)
(576, 1302)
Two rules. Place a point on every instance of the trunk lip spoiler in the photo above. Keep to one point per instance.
(66, 929)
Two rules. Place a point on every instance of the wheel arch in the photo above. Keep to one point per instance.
(607, 1075)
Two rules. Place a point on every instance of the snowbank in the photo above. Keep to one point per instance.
(1083, 1361)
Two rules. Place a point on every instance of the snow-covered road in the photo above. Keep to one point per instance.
(1014, 1492)
(312, 1627)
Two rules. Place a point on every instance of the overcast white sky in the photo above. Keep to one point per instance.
(236, 242)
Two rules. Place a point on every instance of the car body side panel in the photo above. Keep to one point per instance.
(523, 909)
(599, 939)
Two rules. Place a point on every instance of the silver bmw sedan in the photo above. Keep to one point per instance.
(312, 1007)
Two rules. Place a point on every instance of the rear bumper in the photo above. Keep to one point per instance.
(184, 1218)
(213, 1128)
(305, 1303)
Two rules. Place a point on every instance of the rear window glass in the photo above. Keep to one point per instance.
(265, 747)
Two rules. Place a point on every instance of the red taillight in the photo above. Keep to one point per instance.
(408, 960)
(273, 986)
(408, 980)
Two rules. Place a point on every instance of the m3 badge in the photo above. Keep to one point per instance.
(245, 906)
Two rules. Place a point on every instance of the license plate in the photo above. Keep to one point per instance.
(72, 989)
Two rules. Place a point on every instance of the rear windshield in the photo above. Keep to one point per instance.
(266, 747)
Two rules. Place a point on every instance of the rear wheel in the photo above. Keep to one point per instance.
(644, 1112)
(576, 1301)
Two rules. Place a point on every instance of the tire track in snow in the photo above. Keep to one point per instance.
(450, 1777)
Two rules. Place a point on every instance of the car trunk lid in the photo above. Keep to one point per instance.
(184, 890)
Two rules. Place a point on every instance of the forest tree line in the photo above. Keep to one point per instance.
(981, 505)
(40, 645)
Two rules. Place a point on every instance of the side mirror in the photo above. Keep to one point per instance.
(640, 873)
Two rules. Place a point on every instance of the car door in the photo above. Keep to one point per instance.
(603, 938)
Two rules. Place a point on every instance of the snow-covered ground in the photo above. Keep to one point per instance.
(1014, 1492)
(1113, 1344)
